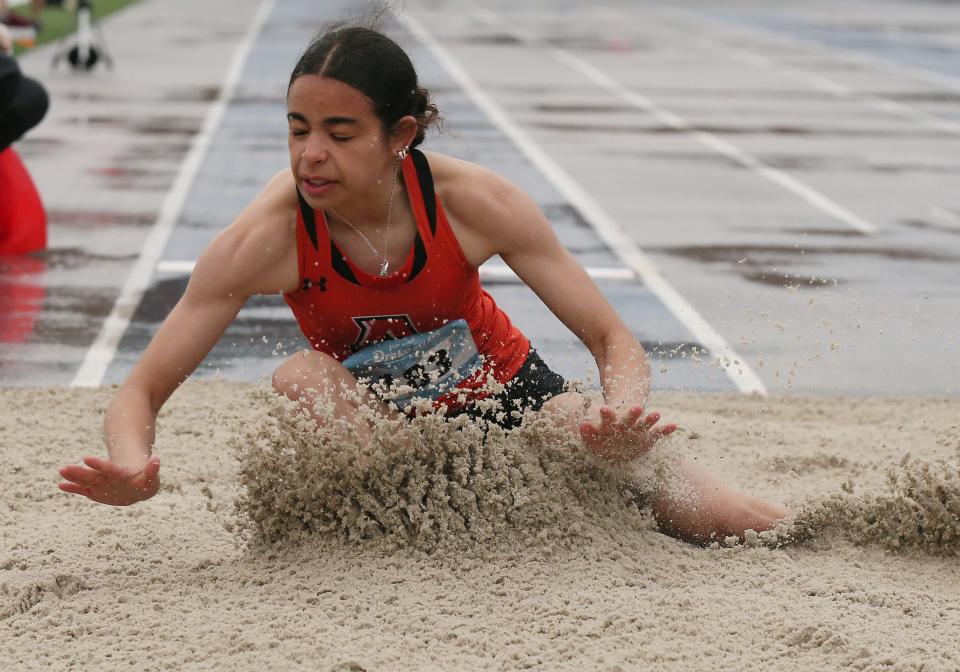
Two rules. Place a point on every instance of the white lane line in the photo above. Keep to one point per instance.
(719, 145)
(606, 227)
(945, 216)
(487, 271)
(176, 266)
(811, 45)
(817, 81)
(104, 347)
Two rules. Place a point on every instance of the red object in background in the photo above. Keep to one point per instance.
(21, 296)
(23, 222)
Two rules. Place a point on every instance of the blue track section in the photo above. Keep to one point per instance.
(896, 46)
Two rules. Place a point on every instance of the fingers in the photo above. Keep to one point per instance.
(625, 438)
(632, 416)
(607, 418)
(151, 473)
(664, 430)
(81, 475)
(106, 467)
(152, 469)
(588, 432)
(73, 488)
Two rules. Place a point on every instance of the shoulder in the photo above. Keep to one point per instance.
(251, 252)
(466, 187)
(485, 204)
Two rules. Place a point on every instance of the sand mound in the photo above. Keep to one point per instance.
(918, 509)
(430, 482)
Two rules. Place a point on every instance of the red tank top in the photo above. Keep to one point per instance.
(342, 309)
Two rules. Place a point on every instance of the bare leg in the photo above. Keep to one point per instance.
(309, 377)
(706, 510)
(698, 508)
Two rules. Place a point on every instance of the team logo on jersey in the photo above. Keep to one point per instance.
(320, 284)
(376, 328)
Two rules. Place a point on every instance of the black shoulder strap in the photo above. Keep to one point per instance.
(425, 178)
(340, 264)
(309, 223)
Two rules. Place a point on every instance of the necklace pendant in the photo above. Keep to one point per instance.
(383, 269)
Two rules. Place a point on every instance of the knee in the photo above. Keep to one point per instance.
(301, 371)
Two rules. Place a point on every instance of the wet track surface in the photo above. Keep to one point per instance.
(792, 173)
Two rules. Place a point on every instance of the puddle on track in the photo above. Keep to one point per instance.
(146, 126)
(734, 253)
(768, 265)
(97, 219)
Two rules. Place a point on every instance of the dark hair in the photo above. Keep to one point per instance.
(375, 65)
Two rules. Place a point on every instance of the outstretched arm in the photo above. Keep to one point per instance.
(245, 259)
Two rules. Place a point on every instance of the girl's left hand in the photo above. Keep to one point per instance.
(626, 438)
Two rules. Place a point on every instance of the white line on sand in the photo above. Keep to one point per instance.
(490, 271)
(816, 81)
(719, 145)
(104, 347)
(609, 231)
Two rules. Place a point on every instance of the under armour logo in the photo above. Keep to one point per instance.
(321, 284)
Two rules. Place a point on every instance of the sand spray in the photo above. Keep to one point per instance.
(430, 482)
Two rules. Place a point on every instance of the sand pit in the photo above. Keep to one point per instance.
(492, 558)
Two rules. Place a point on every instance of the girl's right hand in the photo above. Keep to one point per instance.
(110, 483)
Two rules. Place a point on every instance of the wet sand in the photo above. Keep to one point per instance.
(555, 569)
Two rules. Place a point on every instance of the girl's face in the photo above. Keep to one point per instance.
(338, 151)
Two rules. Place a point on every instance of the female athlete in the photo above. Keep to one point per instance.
(375, 247)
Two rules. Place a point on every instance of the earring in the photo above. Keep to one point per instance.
(402, 154)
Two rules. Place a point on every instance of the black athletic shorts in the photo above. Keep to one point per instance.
(532, 385)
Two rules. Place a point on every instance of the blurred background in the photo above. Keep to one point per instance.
(766, 191)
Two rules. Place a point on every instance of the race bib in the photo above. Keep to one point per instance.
(421, 366)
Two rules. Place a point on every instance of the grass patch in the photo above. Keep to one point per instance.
(57, 22)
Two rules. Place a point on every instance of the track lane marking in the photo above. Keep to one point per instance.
(812, 45)
(806, 193)
(104, 347)
(822, 83)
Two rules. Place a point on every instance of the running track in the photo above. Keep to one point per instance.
(767, 195)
